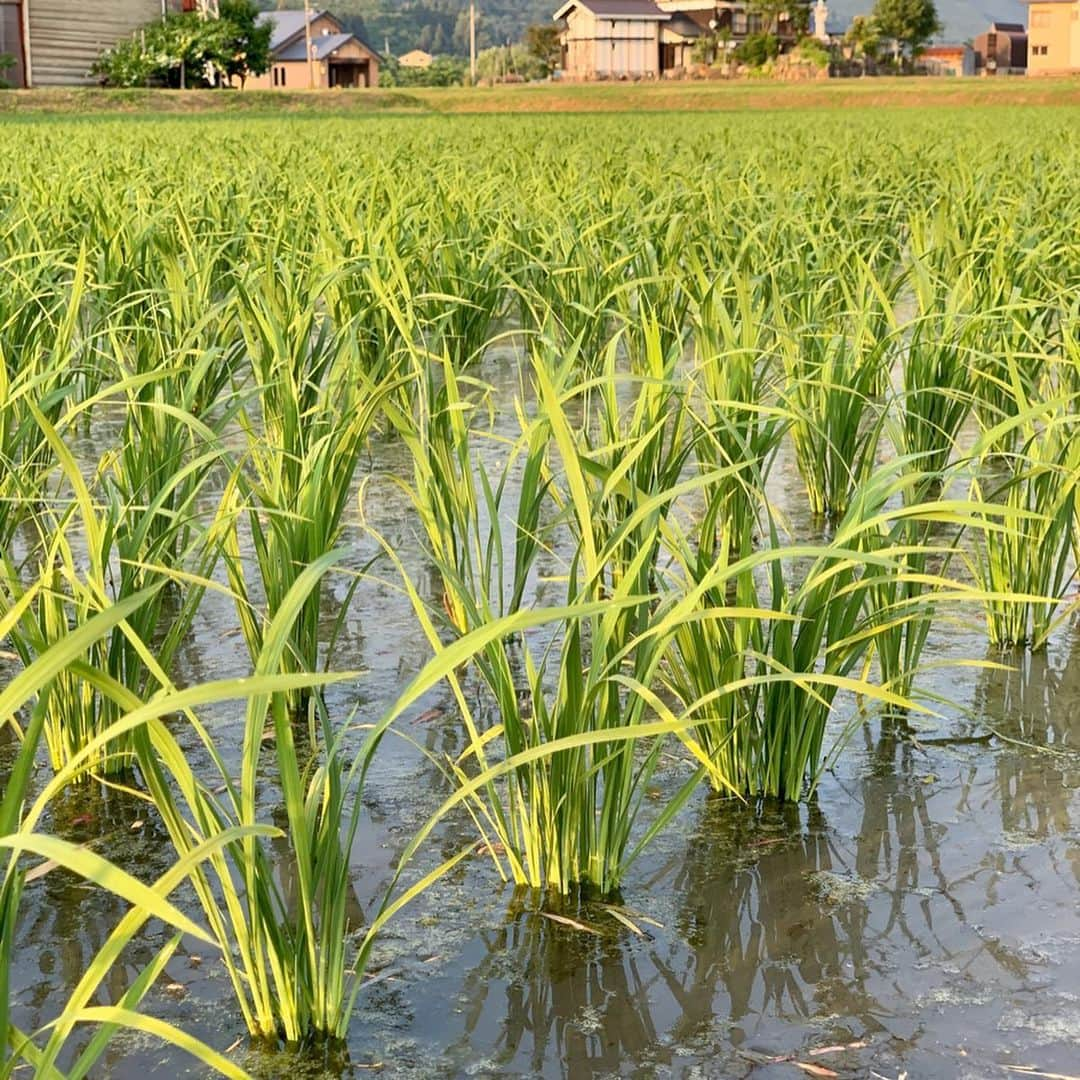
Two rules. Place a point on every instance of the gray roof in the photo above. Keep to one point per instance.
(287, 24)
(322, 46)
(684, 25)
(1009, 27)
(616, 9)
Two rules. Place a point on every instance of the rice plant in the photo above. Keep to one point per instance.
(139, 531)
(313, 409)
(938, 383)
(1028, 566)
(833, 372)
(739, 426)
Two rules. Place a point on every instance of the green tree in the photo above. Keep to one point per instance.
(189, 50)
(513, 62)
(863, 38)
(545, 43)
(909, 23)
(770, 12)
(246, 43)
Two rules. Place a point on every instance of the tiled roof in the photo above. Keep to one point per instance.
(322, 46)
(287, 24)
(616, 9)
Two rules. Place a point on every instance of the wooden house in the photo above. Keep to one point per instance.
(643, 39)
(338, 59)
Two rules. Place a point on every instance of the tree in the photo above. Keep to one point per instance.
(508, 62)
(187, 49)
(246, 42)
(545, 43)
(7, 61)
(863, 38)
(769, 11)
(909, 23)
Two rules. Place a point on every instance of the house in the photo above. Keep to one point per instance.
(1002, 50)
(416, 58)
(643, 39)
(338, 59)
(1053, 37)
(945, 59)
(54, 42)
(611, 39)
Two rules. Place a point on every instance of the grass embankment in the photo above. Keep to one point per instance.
(540, 98)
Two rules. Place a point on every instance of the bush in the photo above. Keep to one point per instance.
(444, 71)
(7, 61)
(188, 50)
(813, 51)
(758, 49)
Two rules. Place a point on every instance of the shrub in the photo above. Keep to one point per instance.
(757, 49)
(813, 51)
(188, 50)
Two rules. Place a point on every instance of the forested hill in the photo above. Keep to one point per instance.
(438, 26)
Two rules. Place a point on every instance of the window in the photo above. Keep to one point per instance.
(1040, 19)
(273, 76)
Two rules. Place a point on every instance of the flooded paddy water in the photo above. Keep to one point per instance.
(918, 916)
(913, 915)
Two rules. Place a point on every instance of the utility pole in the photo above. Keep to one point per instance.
(307, 43)
(472, 42)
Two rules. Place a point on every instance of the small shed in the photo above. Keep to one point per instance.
(948, 59)
(611, 39)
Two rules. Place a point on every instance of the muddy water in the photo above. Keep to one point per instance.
(919, 915)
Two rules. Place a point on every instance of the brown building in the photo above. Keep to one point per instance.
(1002, 50)
(54, 42)
(635, 39)
(1053, 37)
(338, 59)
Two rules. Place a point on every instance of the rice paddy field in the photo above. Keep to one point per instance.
(565, 596)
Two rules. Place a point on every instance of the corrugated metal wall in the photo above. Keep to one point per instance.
(66, 36)
(11, 40)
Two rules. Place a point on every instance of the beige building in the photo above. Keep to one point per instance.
(416, 58)
(1053, 37)
(338, 59)
(611, 39)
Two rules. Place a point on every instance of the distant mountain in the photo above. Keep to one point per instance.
(442, 26)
